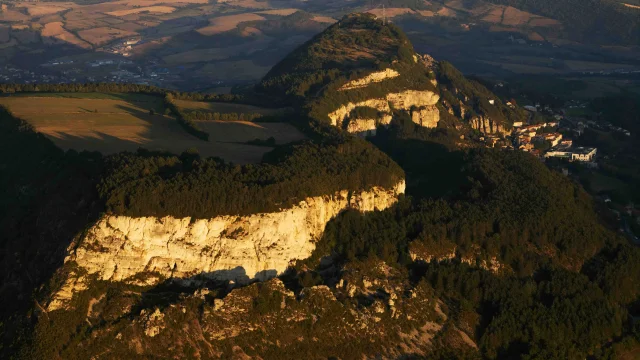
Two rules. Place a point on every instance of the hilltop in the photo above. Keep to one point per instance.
(355, 44)
(361, 74)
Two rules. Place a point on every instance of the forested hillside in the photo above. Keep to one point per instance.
(349, 48)
(469, 98)
(492, 205)
(513, 247)
(313, 77)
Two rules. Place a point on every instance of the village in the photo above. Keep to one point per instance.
(556, 138)
(552, 138)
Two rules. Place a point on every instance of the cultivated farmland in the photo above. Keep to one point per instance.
(225, 108)
(111, 123)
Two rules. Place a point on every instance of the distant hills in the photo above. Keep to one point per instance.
(590, 20)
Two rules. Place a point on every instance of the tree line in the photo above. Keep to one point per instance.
(116, 88)
(151, 184)
(187, 123)
(216, 116)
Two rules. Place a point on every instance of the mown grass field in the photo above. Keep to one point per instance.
(111, 123)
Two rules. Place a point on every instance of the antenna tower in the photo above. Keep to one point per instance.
(384, 15)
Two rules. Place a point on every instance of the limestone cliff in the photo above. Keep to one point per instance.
(427, 114)
(366, 127)
(239, 248)
(410, 98)
(342, 113)
(486, 125)
(375, 77)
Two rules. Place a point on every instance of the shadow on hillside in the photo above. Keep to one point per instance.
(109, 133)
(131, 126)
(432, 170)
(219, 283)
(47, 198)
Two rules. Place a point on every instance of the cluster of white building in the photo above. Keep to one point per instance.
(586, 154)
(527, 136)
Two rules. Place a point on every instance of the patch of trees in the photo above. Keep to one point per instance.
(187, 123)
(271, 142)
(215, 116)
(149, 184)
(82, 88)
(541, 144)
(364, 112)
(556, 314)
(455, 87)
(622, 110)
(195, 96)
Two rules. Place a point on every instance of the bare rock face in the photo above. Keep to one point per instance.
(152, 322)
(407, 100)
(366, 127)
(428, 116)
(375, 77)
(238, 248)
(339, 115)
(487, 126)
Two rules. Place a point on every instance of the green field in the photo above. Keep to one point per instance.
(111, 123)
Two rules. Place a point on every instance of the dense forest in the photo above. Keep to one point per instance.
(490, 204)
(534, 274)
(147, 184)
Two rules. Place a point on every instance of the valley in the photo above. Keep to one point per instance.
(197, 45)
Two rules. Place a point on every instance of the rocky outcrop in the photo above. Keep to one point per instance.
(367, 127)
(428, 116)
(375, 77)
(410, 98)
(426, 252)
(487, 126)
(152, 322)
(146, 250)
(407, 100)
(339, 115)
